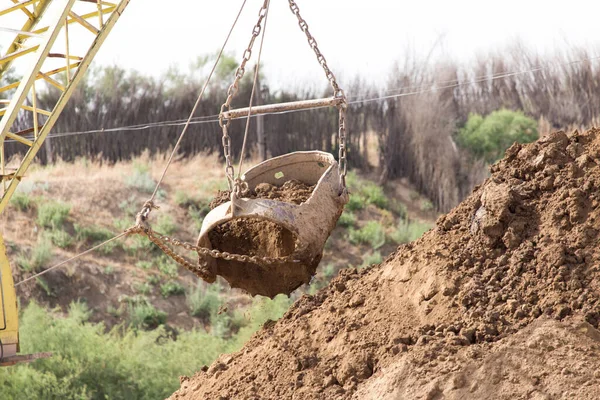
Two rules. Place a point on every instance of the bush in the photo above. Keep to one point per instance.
(171, 288)
(21, 201)
(371, 258)
(204, 302)
(60, 238)
(146, 316)
(141, 179)
(407, 231)
(372, 233)
(95, 235)
(489, 137)
(39, 256)
(52, 214)
(347, 219)
(165, 225)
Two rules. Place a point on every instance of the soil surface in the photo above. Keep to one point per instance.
(501, 300)
(254, 237)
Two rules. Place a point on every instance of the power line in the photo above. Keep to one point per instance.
(421, 90)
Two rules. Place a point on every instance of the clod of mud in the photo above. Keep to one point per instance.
(500, 300)
(254, 237)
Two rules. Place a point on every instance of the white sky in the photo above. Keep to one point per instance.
(356, 36)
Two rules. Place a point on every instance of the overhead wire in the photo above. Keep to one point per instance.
(208, 119)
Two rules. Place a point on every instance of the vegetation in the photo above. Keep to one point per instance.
(38, 256)
(489, 137)
(52, 214)
(21, 201)
(124, 363)
(372, 233)
(407, 231)
(171, 288)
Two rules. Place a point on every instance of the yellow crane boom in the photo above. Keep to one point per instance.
(41, 48)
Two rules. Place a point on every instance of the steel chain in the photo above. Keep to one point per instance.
(337, 92)
(232, 91)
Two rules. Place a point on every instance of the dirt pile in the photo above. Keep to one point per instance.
(500, 300)
(254, 237)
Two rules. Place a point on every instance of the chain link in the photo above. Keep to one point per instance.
(337, 92)
(201, 269)
(232, 91)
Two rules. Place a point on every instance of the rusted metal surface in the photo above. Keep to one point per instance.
(311, 222)
(281, 107)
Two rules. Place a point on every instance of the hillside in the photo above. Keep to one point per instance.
(501, 300)
(67, 208)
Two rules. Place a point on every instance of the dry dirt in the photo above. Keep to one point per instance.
(501, 300)
(254, 237)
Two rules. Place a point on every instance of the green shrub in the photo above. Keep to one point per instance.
(167, 266)
(347, 219)
(399, 208)
(171, 288)
(144, 264)
(371, 258)
(21, 201)
(41, 282)
(94, 235)
(373, 194)
(355, 203)
(407, 231)
(108, 270)
(39, 256)
(204, 302)
(426, 205)
(60, 238)
(52, 214)
(372, 233)
(165, 225)
(141, 179)
(153, 279)
(489, 137)
(142, 288)
(146, 316)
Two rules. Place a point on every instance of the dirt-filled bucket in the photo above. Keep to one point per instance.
(292, 204)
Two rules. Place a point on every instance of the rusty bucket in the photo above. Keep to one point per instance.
(276, 229)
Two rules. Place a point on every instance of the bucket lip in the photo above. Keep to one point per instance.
(301, 156)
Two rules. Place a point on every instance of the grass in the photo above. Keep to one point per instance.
(39, 256)
(141, 179)
(42, 283)
(52, 214)
(371, 259)
(171, 288)
(146, 316)
(204, 302)
(372, 234)
(167, 266)
(21, 201)
(143, 288)
(60, 238)
(407, 231)
(347, 219)
(94, 235)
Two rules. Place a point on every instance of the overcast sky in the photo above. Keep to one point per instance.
(356, 36)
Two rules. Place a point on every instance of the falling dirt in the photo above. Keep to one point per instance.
(256, 237)
(501, 300)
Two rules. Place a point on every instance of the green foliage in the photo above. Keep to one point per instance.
(167, 266)
(489, 137)
(153, 279)
(371, 258)
(204, 302)
(60, 238)
(165, 224)
(52, 214)
(372, 233)
(108, 270)
(364, 193)
(21, 201)
(347, 219)
(39, 256)
(426, 205)
(41, 282)
(407, 231)
(94, 235)
(145, 316)
(399, 208)
(90, 364)
(141, 179)
(171, 288)
(142, 288)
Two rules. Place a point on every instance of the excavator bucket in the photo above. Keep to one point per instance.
(263, 227)
(9, 323)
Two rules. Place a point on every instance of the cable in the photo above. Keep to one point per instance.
(204, 120)
(60, 264)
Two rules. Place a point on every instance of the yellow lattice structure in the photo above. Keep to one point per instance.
(43, 49)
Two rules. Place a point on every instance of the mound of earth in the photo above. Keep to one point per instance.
(500, 300)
